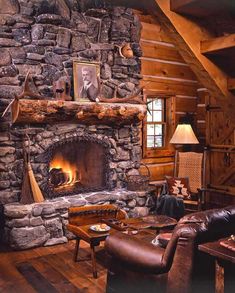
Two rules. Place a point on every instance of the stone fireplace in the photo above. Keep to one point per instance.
(113, 152)
(74, 164)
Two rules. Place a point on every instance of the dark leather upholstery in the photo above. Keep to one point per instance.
(138, 266)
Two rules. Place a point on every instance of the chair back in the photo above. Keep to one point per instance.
(191, 165)
(93, 214)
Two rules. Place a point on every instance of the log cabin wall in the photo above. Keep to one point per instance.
(163, 69)
(205, 35)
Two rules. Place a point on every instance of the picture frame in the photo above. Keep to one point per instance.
(85, 78)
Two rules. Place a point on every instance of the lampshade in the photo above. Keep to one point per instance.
(184, 135)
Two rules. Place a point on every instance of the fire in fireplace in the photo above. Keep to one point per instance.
(77, 166)
(62, 172)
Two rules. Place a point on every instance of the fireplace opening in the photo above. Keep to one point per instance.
(78, 166)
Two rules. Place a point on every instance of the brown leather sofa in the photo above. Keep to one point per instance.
(137, 266)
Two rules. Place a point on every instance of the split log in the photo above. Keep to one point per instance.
(54, 111)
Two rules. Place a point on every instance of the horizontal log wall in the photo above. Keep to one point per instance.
(163, 69)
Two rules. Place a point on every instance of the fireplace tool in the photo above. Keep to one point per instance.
(30, 190)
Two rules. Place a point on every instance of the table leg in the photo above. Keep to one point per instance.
(219, 277)
(75, 257)
(93, 261)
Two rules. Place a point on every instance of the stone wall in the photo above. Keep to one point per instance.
(44, 37)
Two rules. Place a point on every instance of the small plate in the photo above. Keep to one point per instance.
(99, 228)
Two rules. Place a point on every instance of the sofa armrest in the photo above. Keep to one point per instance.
(135, 254)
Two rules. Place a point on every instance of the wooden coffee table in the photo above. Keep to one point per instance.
(131, 225)
(222, 257)
(159, 222)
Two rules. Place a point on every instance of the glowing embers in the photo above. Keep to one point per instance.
(63, 172)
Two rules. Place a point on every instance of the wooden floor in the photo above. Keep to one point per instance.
(51, 269)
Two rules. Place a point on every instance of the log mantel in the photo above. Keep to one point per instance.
(54, 111)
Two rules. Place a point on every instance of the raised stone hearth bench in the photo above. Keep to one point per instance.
(44, 224)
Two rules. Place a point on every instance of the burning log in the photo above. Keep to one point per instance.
(57, 177)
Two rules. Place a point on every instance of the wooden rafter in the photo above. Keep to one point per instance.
(187, 34)
(231, 84)
(198, 8)
(218, 45)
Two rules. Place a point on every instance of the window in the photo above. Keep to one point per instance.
(158, 125)
(156, 122)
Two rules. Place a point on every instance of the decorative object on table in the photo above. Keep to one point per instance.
(100, 228)
(116, 224)
(85, 77)
(229, 243)
(30, 191)
(61, 89)
(138, 182)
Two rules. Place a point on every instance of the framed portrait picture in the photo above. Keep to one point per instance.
(85, 78)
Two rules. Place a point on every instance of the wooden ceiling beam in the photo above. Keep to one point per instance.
(187, 35)
(199, 8)
(196, 8)
(231, 84)
(136, 4)
(218, 45)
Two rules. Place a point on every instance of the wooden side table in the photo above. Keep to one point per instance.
(80, 221)
(222, 257)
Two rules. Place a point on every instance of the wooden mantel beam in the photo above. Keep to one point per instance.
(218, 45)
(56, 111)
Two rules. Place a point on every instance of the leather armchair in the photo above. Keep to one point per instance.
(138, 266)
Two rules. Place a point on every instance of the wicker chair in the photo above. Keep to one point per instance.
(189, 165)
(193, 166)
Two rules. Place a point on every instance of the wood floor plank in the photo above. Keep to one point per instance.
(17, 286)
(12, 280)
(74, 273)
(56, 265)
(61, 283)
(38, 282)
